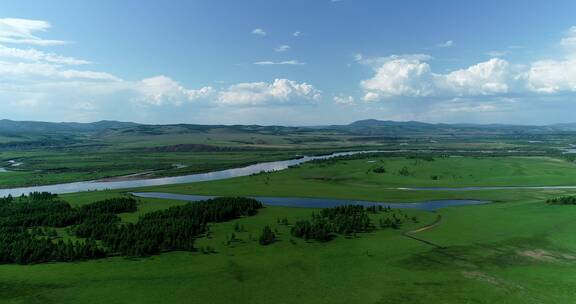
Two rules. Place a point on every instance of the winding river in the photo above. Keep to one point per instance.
(257, 168)
(200, 177)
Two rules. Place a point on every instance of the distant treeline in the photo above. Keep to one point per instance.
(197, 148)
(563, 200)
(28, 234)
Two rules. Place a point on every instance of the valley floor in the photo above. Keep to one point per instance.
(517, 249)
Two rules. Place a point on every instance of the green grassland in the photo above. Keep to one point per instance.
(515, 250)
(67, 153)
(168, 152)
(50, 168)
(521, 251)
(356, 179)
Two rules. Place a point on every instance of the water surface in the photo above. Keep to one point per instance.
(319, 202)
(200, 177)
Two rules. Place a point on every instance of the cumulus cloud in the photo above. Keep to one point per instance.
(279, 92)
(297, 34)
(400, 77)
(552, 76)
(21, 31)
(259, 32)
(35, 84)
(412, 76)
(486, 78)
(161, 89)
(287, 62)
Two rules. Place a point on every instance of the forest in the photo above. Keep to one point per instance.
(28, 227)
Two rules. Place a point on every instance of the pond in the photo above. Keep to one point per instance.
(319, 202)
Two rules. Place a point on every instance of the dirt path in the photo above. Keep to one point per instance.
(410, 234)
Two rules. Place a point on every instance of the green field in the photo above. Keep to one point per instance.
(500, 253)
(515, 250)
(53, 153)
(355, 179)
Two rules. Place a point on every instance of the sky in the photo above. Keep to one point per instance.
(280, 62)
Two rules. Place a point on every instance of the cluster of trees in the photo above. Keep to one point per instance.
(563, 200)
(23, 242)
(348, 220)
(322, 226)
(27, 235)
(18, 245)
(267, 237)
(404, 171)
(175, 228)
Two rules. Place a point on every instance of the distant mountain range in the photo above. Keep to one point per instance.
(369, 127)
(33, 127)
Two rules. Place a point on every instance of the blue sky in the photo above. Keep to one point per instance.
(288, 62)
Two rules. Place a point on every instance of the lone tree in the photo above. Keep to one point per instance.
(267, 237)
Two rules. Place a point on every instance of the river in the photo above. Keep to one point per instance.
(200, 177)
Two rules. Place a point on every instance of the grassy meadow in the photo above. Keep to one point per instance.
(357, 179)
(515, 250)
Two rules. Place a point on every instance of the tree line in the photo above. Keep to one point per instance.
(27, 226)
(22, 240)
(563, 200)
(175, 228)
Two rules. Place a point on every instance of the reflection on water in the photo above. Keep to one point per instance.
(319, 202)
(216, 175)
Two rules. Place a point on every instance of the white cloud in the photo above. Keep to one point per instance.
(570, 39)
(259, 32)
(400, 77)
(344, 100)
(31, 71)
(552, 76)
(21, 31)
(43, 85)
(36, 55)
(486, 78)
(376, 62)
(282, 48)
(412, 77)
(279, 92)
(287, 62)
(297, 34)
(161, 90)
(446, 44)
